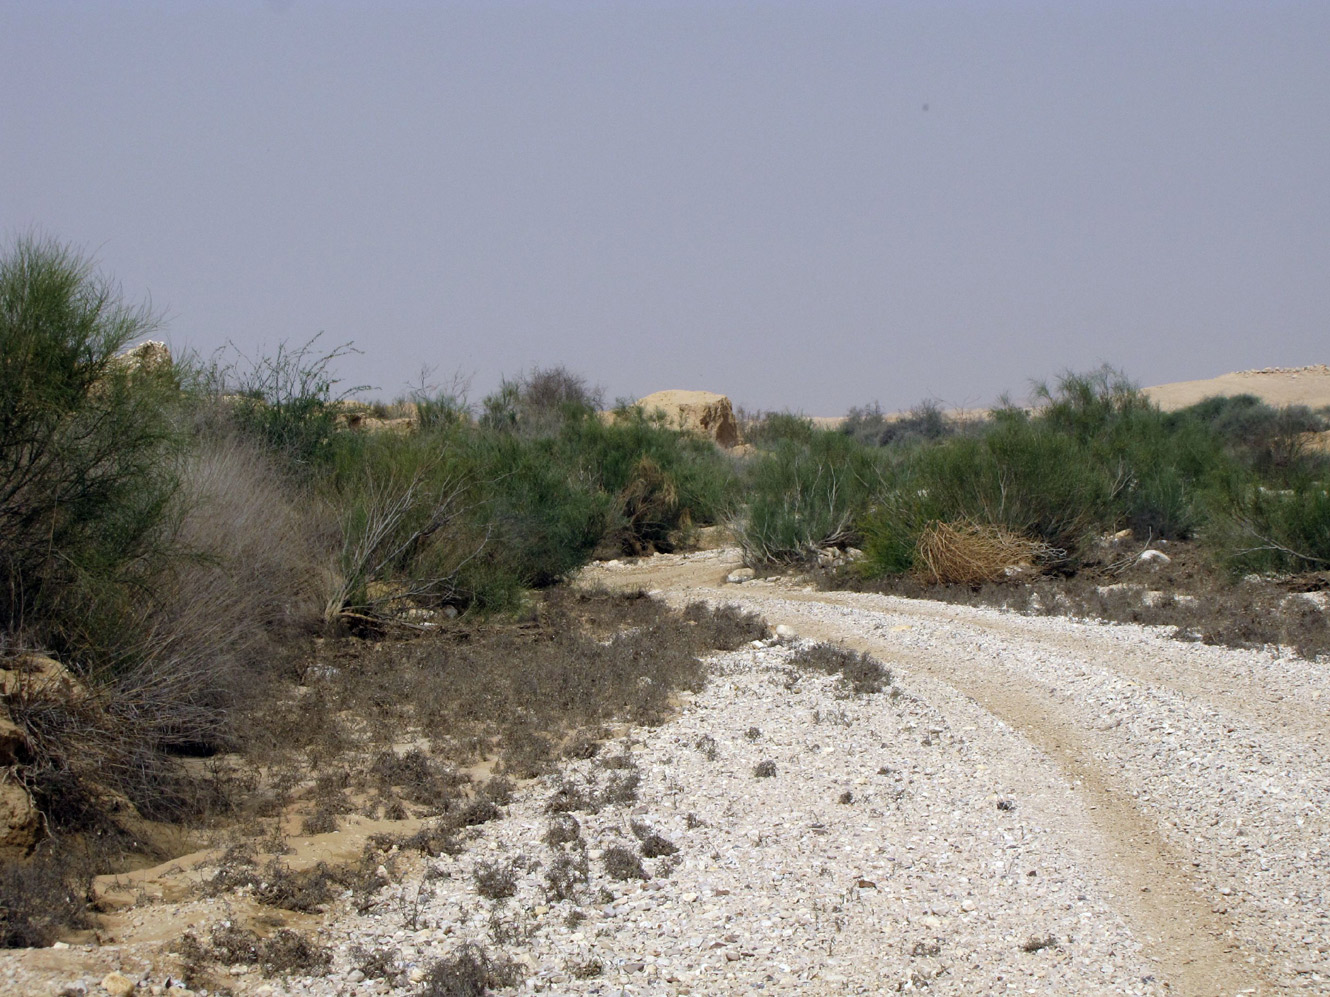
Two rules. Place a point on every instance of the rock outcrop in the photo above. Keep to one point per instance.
(703, 412)
(24, 679)
(149, 357)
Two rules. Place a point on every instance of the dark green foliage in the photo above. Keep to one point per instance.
(1264, 529)
(86, 475)
(287, 399)
(1096, 456)
(543, 520)
(661, 482)
(803, 496)
(1021, 475)
(1271, 441)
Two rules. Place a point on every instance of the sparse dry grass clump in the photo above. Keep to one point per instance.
(948, 553)
(39, 900)
(470, 972)
(622, 863)
(861, 673)
(284, 953)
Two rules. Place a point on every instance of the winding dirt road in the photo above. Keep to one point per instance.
(1193, 780)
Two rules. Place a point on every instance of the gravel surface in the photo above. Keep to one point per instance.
(1035, 805)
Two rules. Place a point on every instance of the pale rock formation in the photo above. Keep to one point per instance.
(149, 357)
(703, 412)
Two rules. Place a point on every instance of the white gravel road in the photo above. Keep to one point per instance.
(1041, 806)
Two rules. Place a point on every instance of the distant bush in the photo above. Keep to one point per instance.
(804, 496)
(661, 482)
(1270, 441)
(1021, 475)
(539, 403)
(542, 520)
(766, 429)
(925, 423)
(286, 400)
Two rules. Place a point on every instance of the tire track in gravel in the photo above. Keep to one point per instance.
(1184, 929)
(1263, 703)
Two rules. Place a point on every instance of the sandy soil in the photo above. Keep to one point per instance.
(1276, 386)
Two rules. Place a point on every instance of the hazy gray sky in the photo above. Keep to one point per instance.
(802, 205)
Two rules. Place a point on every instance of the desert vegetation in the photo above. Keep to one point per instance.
(230, 592)
(1042, 485)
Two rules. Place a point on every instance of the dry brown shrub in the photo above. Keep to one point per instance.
(951, 553)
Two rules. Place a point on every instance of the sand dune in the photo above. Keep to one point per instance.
(1308, 386)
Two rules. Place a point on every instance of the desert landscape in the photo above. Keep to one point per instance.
(672, 499)
(703, 756)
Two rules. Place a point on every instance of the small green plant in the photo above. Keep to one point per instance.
(804, 496)
(288, 399)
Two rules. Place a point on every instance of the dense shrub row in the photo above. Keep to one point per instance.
(1093, 456)
(168, 533)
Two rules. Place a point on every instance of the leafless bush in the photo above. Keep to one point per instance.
(567, 872)
(319, 822)
(563, 829)
(654, 844)
(495, 880)
(376, 964)
(470, 972)
(621, 788)
(38, 900)
(860, 672)
(305, 891)
(622, 863)
(285, 952)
